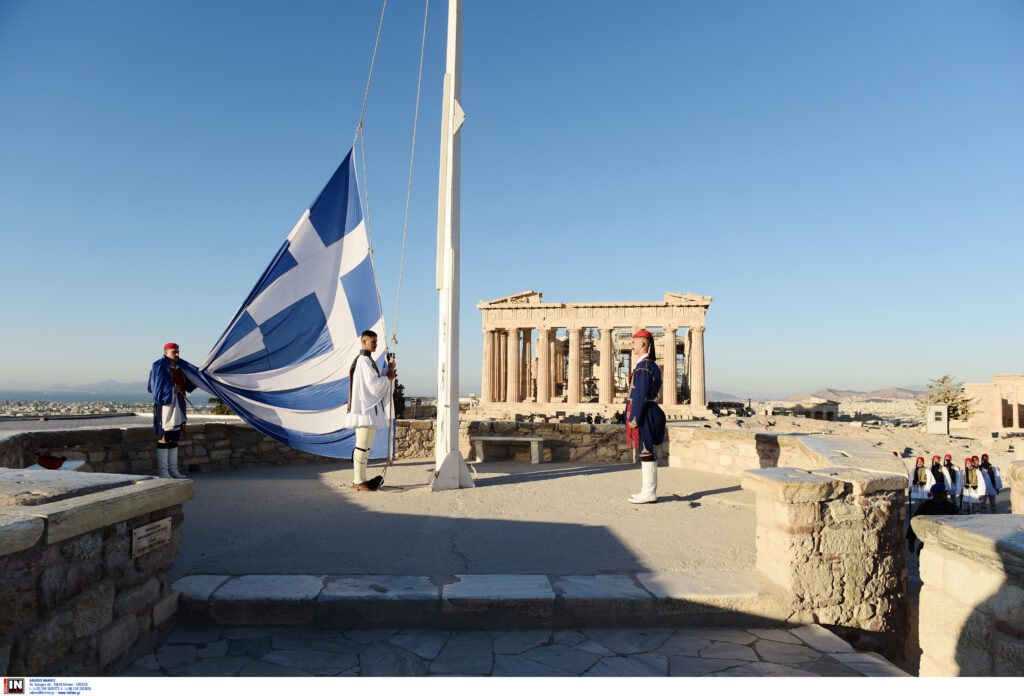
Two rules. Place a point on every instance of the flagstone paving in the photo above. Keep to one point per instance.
(268, 651)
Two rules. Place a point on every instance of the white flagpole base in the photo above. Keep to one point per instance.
(453, 473)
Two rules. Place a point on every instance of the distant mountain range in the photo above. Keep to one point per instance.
(890, 394)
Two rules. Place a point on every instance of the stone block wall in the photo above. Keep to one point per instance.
(731, 453)
(971, 609)
(214, 446)
(1016, 483)
(73, 601)
(834, 540)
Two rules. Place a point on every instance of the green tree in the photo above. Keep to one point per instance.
(945, 391)
(219, 407)
(399, 399)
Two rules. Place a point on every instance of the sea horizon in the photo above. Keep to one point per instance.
(74, 396)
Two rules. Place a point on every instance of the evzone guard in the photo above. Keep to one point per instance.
(168, 385)
(954, 477)
(921, 481)
(994, 479)
(367, 407)
(645, 421)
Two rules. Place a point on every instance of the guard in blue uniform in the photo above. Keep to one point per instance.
(645, 421)
(168, 385)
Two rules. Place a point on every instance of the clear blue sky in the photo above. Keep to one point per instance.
(845, 179)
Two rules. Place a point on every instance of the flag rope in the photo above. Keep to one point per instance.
(412, 157)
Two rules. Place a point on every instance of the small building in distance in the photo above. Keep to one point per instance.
(818, 410)
(996, 406)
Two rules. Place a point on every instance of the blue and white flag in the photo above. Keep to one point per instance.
(283, 362)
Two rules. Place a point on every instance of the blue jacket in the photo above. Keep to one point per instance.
(161, 385)
(644, 412)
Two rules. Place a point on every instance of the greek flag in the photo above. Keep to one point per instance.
(283, 362)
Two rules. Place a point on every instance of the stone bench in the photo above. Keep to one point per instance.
(67, 465)
(478, 442)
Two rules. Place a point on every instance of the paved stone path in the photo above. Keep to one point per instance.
(261, 651)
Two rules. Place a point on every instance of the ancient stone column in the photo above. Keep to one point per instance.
(495, 363)
(485, 378)
(502, 367)
(1016, 409)
(605, 385)
(543, 366)
(575, 385)
(668, 375)
(513, 367)
(697, 398)
(526, 391)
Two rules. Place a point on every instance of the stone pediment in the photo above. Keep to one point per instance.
(689, 299)
(528, 297)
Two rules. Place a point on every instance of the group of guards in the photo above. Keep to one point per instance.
(968, 488)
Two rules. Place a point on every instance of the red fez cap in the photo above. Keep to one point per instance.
(949, 456)
(984, 456)
(643, 334)
(935, 457)
(968, 460)
(168, 346)
(920, 459)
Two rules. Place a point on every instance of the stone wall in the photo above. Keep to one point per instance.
(835, 541)
(73, 601)
(733, 452)
(1015, 481)
(972, 600)
(213, 446)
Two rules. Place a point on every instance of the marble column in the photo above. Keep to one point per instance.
(485, 378)
(575, 386)
(668, 375)
(496, 354)
(605, 383)
(543, 366)
(504, 367)
(556, 353)
(697, 397)
(527, 388)
(512, 367)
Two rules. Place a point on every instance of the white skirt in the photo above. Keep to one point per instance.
(374, 419)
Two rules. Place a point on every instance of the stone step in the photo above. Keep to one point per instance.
(471, 602)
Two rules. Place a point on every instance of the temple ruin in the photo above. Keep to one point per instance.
(996, 406)
(575, 357)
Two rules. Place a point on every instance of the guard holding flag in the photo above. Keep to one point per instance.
(367, 407)
(168, 385)
(645, 421)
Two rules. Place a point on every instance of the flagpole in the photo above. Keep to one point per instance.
(450, 470)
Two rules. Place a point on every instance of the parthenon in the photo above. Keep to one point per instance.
(574, 357)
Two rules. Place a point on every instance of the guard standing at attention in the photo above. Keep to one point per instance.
(645, 421)
(367, 407)
(994, 478)
(921, 481)
(168, 385)
(954, 481)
